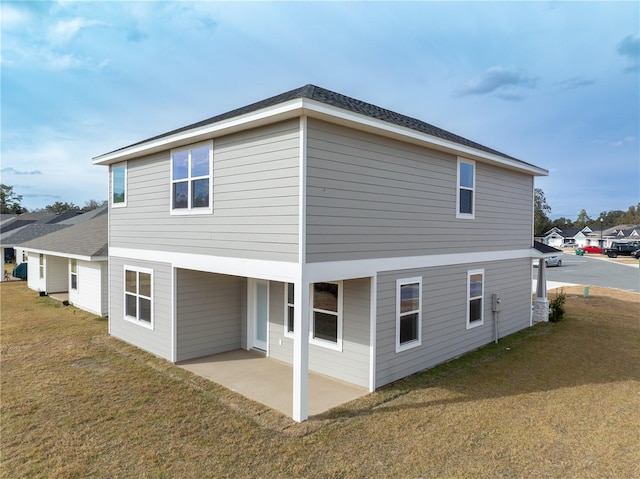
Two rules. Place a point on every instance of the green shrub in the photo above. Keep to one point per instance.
(556, 307)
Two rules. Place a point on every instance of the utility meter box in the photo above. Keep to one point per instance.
(495, 302)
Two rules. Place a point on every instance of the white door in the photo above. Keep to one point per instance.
(260, 314)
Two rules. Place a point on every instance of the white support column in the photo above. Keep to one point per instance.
(373, 295)
(301, 293)
(541, 287)
(541, 304)
(301, 351)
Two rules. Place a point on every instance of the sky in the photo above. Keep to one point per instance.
(555, 84)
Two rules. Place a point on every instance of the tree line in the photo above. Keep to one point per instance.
(11, 203)
(542, 223)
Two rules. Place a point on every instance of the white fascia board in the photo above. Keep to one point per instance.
(535, 254)
(401, 132)
(285, 272)
(341, 270)
(279, 112)
(66, 255)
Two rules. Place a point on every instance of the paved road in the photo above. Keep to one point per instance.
(591, 271)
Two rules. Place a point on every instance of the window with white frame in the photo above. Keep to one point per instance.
(191, 179)
(41, 266)
(475, 298)
(408, 313)
(288, 310)
(119, 185)
(466, 199)
(138, 295)
(326, 315)
(73, 272)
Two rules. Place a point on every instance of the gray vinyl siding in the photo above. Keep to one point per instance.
(444, 302)
(158, 340)
(369, 196)
(350, 365)
(255, 200)
(209, 312)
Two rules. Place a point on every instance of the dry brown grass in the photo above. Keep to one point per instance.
(557, 400)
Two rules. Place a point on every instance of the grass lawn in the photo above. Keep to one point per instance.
(557, 400)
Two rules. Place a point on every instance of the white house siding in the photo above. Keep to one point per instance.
(370, 197)
(352, 363)
(104, 272)
(34, 281)
(444, 302)
(92, 286)
(56, 274)
(209, 313)
(157, 341)
(255, 200)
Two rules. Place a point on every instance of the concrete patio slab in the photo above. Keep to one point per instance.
(269, 381)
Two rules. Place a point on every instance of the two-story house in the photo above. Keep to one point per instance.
(329, 233)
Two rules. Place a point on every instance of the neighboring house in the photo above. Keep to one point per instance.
(605, 237)
(73, 261)
(309, 226)
(622, 233)
(557, 237)
(28, 226)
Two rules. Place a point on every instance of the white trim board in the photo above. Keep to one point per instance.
(288, 272)
(67, 255)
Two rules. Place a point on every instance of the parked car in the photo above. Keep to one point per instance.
(636, 254)
(552, 261)
(619, 248)
(568, 245)
(592, 249)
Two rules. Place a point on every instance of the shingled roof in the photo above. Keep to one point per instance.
(87, 239)
(338, 100)
(29, 232)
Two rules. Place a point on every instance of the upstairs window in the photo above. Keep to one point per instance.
(475, 298)
(119, 185)
(465, 201)
(191, 185)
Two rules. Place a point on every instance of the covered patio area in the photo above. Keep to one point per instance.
(270, 381)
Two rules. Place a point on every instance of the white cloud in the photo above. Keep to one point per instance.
(63, 31)
(63, 162)
(11, 17)
(20, 172)
(575, 82)
(623, 141)
(506, 82)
